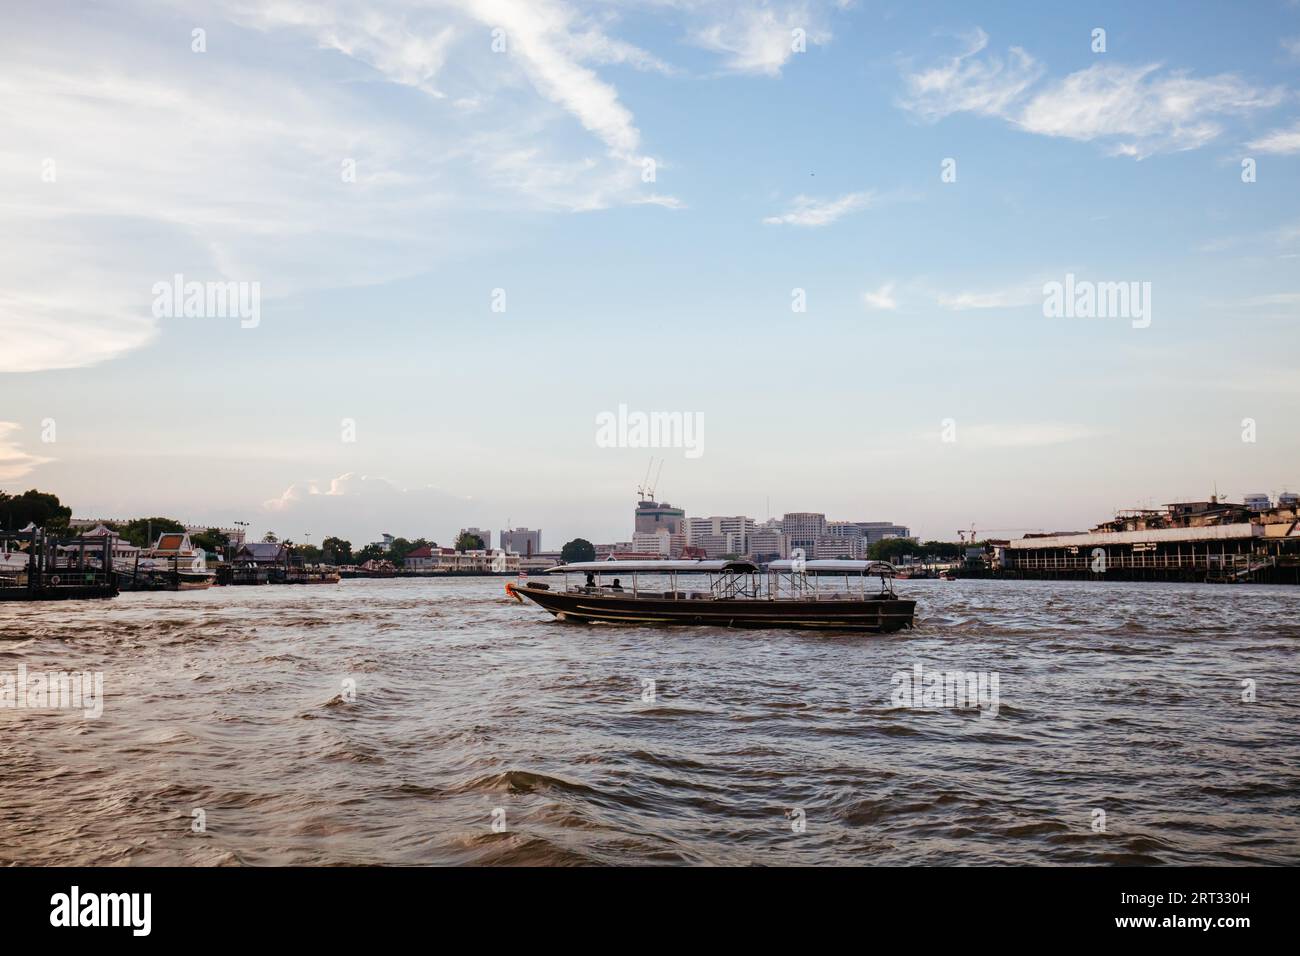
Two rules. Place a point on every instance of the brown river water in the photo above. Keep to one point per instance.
(437, 722)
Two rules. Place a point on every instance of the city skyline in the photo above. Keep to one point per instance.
(465, 235)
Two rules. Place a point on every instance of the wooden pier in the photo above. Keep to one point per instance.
(66, 569)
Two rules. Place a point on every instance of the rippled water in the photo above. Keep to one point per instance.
(756, 747)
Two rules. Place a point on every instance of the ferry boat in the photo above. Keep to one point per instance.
(787, 594)
(172, 564)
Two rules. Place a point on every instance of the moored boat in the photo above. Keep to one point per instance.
(787, 594)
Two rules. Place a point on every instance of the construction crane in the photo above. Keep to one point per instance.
(645, 489)
(645, 482)
(659, 471)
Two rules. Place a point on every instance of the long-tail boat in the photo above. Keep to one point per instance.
(784, 594)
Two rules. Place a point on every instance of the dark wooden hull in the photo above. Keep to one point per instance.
(879, 615)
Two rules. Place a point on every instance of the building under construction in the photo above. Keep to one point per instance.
(1216, 541)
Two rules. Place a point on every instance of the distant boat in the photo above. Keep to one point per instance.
(172, 564)
(735, 596)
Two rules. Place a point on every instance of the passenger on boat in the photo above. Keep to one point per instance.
(591, 579)
(616, 586)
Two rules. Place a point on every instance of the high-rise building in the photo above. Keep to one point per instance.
(653, 516)
(521, 541)
(733, 530)
(803, 528)
(869, 531)
(659, 542)
(837, 546)
(768, 544)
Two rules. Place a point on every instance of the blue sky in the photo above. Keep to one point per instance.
(523, 170)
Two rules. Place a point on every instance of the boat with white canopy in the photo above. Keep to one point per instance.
(723, 593)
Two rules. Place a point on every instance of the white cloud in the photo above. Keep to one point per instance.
(965, 83)
(882, 298)
(14, 462)
(228, 166)
(807, 211)
(1278, 141)
(1011, 297)
(1138, 111)
(375, 503)
(1135, 110)
(758, 37)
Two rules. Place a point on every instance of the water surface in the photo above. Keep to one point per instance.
(750, 747)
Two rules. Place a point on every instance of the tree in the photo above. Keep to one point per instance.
(888, 549)
(34, 507)
(143, 532)
(309, 553)
(270, 538)
(469, 542)
(943, 550)
(400, 548)
(211, 541)
(337, 550)
(579, 549)
(371, 552)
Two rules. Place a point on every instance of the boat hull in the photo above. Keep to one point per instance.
(877, 615)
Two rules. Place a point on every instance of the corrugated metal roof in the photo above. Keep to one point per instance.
(1223, 532)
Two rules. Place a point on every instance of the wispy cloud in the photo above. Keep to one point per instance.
(1278, 141)
(1005, 298)
(808, 211)
(758, 37)
(882, 298)
(14, 462)
(968, 83)
(228, 167)
(1134, 110)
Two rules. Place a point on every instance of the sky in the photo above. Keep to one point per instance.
(824, 233)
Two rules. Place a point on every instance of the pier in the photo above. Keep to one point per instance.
(1213, 545)
(37, 567)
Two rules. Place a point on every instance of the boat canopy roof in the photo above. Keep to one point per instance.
(666, 565)
(834, 566)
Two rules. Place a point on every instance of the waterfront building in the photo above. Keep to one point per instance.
(124, 553)
(835, 546)
(768, 544)
(521, 541)
(1187, 541)
(603, 551)
(735, 529)
(653, 516)
(659, 542)
(92, 525)
(803, 528)
(421, 559)
(262, 553)
(448, 560)
(869, 531)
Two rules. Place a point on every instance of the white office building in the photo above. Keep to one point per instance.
(521, 541)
